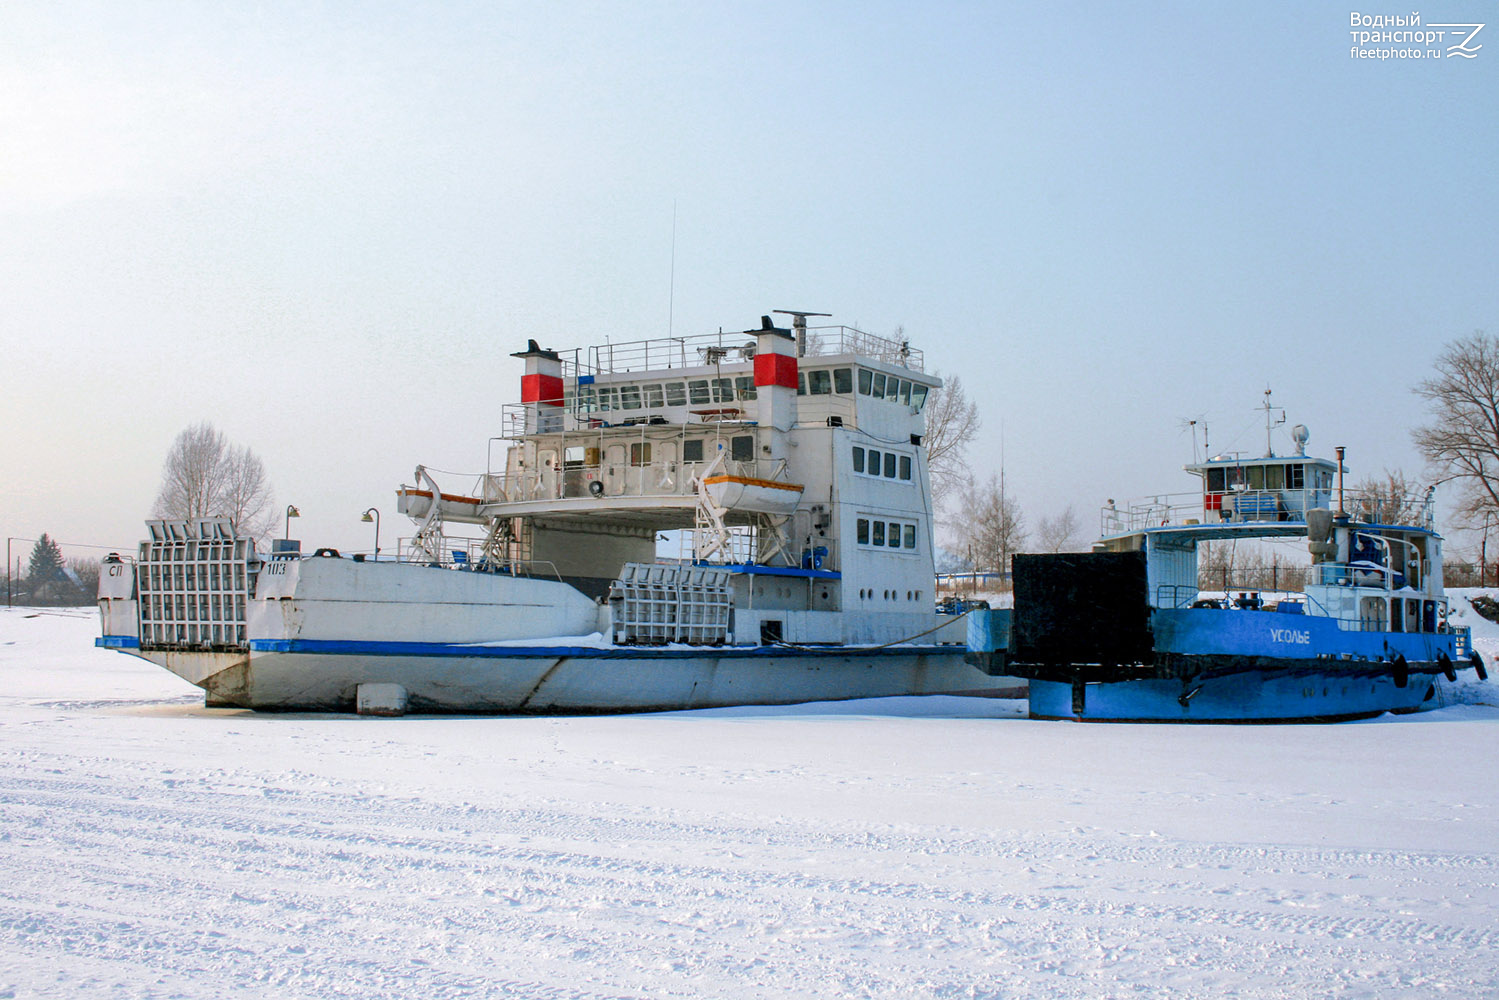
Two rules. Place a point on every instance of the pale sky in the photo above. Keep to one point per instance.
(324, 227)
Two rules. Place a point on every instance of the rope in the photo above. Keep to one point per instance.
(886, 645)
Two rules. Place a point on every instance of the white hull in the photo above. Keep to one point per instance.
(426, 640)
(434, 678)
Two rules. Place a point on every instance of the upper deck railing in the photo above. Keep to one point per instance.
(708, 350)
(1259, 506)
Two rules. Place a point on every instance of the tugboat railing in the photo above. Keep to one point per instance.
(1250, 506)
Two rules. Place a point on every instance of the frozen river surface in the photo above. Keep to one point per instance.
(896, 848)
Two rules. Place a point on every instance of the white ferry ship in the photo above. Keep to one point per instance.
(792, 458)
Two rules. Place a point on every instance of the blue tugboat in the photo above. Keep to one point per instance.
(1123, 633)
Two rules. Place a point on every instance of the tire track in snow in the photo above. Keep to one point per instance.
(465, 888)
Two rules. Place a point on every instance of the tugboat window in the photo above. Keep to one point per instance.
(866, 379)
(629, 397)
(905, 393)
(905, 467)
(918, 396)
(801, 383)
(723, 390)
(676, 394)
(892, 388)
(744, 387)
(692, 450)
(858, 459)
(819, 382)
(742, 449)
(910, 536)
(879, 385)
(1295, 477)
(889, 465)
(640, 453)
(879, 532)
(863, 531)
(608, 397)
(653, 396)
(843, 380)
(894, 541)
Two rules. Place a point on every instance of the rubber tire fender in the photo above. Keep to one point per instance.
(1477, 662)
(1402, 670)
(1448, 670)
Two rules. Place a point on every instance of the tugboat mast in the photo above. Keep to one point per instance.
(1269, 425)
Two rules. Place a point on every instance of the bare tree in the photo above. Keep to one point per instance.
(1389, 499)
(990, 525)
(952, 420)
(1462, 442)
(206, 476)
(1060, 533)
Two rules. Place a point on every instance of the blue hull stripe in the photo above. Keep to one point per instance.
(351, 647)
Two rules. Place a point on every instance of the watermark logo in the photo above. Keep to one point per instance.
(1403, 36)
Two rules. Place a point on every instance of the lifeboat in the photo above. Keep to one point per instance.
(762, 496)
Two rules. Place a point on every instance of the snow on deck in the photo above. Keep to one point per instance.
(939, 847)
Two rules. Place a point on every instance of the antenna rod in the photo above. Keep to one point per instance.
(671, 304)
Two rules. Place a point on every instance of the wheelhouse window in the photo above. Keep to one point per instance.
(885, 534)
(676, 394)
(918, 395)
(866, 380)
(723, 390)
(843, 380)
(744, 387)
(819, 382)
(652, 396)
(697, 392)
(629, 397)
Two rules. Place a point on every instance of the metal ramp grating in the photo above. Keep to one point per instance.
(660, 603)
(193, 579)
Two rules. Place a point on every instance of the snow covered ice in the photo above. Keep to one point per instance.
(897, 848)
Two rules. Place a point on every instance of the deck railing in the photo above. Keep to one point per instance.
(1251, 506)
